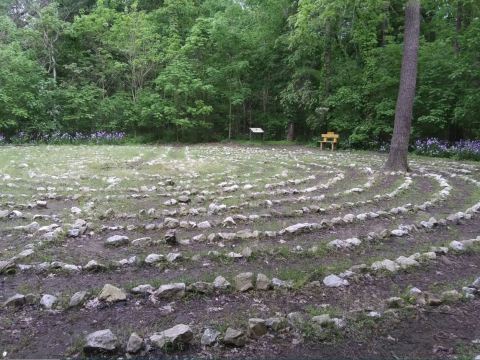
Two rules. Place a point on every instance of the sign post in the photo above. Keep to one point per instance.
(254, 131)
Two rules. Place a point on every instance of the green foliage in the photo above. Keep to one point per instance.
(21, 79)
(200, 70)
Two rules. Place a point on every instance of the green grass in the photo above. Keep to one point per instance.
(259, 142)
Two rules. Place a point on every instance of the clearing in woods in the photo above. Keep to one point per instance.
(341, 244)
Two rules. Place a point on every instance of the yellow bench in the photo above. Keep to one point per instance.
(329, 138)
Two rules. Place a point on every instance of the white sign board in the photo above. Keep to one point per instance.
(256, 130)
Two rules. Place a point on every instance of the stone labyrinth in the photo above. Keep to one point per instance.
(224, 250)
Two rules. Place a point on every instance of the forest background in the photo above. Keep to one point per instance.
(207, 70)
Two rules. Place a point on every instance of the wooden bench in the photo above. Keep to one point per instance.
(329, 138)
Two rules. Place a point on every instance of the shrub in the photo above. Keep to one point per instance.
(461, 150)
(98, 137)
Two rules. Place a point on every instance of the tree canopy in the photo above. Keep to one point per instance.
(200, 70)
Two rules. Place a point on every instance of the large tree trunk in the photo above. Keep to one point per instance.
(291, 132)
(397, 159)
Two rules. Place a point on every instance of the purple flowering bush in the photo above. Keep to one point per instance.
(99, 137)
(462, 150)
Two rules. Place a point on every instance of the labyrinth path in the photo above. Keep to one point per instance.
(233, 251)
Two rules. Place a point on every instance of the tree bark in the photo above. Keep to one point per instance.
(383, 40)
(291, 132)
(397, 159)
(230, 121)
(458, 27)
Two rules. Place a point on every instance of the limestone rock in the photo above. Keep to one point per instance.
(440, 250)
(374, 314)
(93, 265)
(276, 323)
(386, 264)
(234, 337)
(263, 282)
(131, 260)
(457, 246)
(256, 327)
(429, 255)
(201, 287)
(339, 323)
(75, 210)
(173, 257)
(395, 302)
(71, 268)
(16, 300)
(47, 301)
(325, 320)
(7, 266)
(170, 202)
(234, 255)
(116, 240)
(143, 289)
(171, 237)
(243, 281)
(41, 203)
(221, 283)
(418, 296)
(295, 319)
(15, 214)
(340, 244)
(229, 221)
(406, 262)
(31, 298)
(362, 217)
(450, 296)
(153, 258)
(352, 242)
(144, 241)
(281, 284)
(334, 281)
(25, 253)
(172, 338)
(135, 344)
(171, 291)
(101, 341)
(399, 232)
(227, 236)
(78, 228)
(183, 199)
(111, 294)
(77, 299)
(204, 225)
(298, 228)
(432, 299)
(209, 337)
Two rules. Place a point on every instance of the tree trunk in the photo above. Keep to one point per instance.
(397, 159)
(265, 100)
(327, 61)
(54, 69)
(458, 27)
(383, 40)
(291, 132)
(230, 121)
